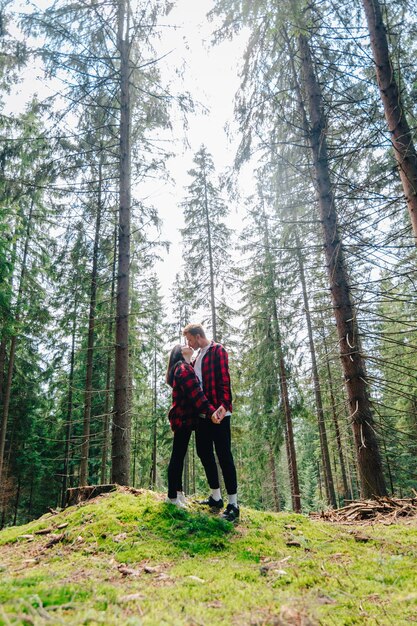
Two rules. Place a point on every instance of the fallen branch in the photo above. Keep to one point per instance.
(386, 510)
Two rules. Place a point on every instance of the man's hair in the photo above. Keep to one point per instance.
(194, 329)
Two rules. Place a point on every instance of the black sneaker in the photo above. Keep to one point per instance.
(231, 513)
(212, 503)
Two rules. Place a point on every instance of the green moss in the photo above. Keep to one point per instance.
(202, 570)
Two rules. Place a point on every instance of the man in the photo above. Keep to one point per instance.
(212, 369)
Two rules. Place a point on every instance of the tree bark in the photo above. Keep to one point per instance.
(400, 133)
(107, 412)
(2, 366)
(80, 494)
(210, 254)
(369, 460)
(68, 430)
(122, 418)
(16, 504)
(329, 485)
(154, 420)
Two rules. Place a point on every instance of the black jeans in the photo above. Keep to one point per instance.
(176, 463)
(208, 434)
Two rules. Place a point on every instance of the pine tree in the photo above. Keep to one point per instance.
(395, 114)
(206, 239)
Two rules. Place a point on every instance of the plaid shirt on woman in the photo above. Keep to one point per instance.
(216, 377)
(188, 399)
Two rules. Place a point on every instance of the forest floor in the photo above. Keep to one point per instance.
(129, 559)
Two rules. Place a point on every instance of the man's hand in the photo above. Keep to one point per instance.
(218, 415)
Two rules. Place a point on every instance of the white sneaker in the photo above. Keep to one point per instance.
(176, 502)
(181, 497)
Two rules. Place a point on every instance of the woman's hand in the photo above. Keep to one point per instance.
(218, 415)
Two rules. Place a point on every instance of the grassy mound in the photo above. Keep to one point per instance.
(131, 559)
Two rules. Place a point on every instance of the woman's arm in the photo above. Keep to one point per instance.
(221, 369)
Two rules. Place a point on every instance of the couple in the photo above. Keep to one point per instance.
(201, 401)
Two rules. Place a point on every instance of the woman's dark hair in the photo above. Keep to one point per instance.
(174, 358)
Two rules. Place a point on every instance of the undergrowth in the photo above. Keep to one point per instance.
(128, 559)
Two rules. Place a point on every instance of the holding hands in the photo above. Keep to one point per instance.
(218, 415)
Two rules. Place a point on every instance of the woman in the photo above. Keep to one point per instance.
(189, 404)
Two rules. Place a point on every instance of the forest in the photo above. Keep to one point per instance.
(300, 258)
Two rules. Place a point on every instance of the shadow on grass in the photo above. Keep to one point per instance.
(193, 532)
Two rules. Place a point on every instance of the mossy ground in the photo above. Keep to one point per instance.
(128, 559)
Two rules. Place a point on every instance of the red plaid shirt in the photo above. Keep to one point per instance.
(216, 377)
(188, 399)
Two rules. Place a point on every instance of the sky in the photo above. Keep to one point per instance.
(211, 75)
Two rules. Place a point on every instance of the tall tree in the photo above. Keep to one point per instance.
(206, 238)
(400, 133)
(330, 492)
(287, 30)
(371, 473)
(265, 340)
(121, 416)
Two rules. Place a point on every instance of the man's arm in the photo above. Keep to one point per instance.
(223, 377)
(193, 389)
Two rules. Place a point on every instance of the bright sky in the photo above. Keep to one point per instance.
(211, 76)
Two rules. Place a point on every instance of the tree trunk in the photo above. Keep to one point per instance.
(32, 481)
(391, 482)
(68, 430)
(401, 136)
(347, 492)
(85, 445)
(272, 467)
(153, 464)
(154, 420)
(2, 366)
(210, 254)
(81, 494)
(12, 354)
(330, 493)
(289, 435)
(319, 481)
(122, 418)
(135, 453)
(16, 504)
(292, 459)
(107, 413)
(369, 460)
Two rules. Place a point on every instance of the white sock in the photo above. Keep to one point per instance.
(174, 500)
(232, 498)
(215, 494)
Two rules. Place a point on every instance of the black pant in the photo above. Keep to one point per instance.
(176, 463)
(206, 435)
